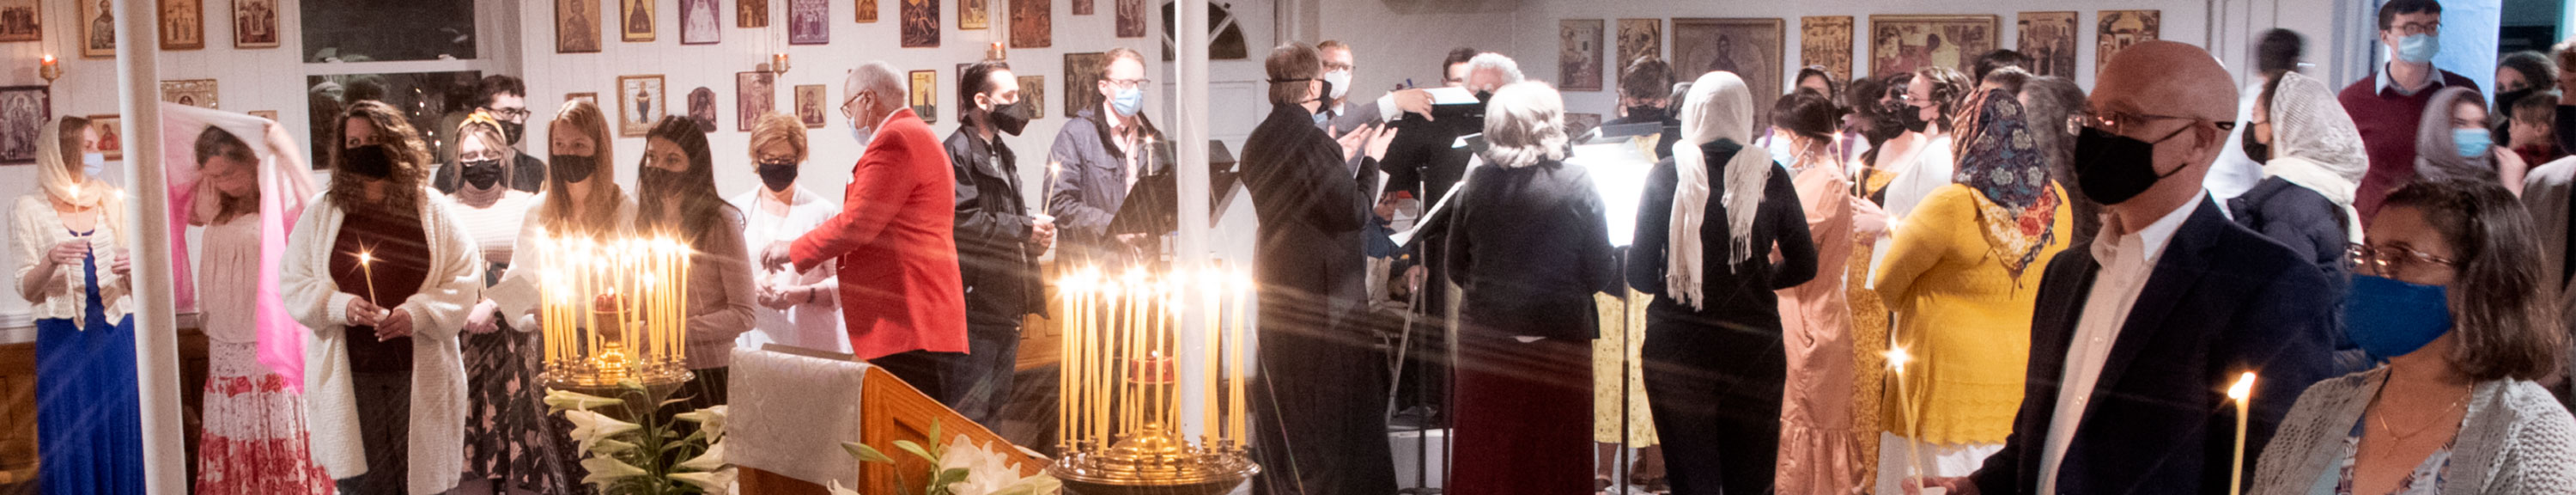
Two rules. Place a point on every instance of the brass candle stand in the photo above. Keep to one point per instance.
(1121, 418)
(613, 317)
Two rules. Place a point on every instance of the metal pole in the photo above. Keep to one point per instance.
(156, 328)
(1189, 139)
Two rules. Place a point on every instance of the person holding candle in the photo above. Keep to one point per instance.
(1527, 255)
(1707, 229)
(680, 171)
(67, 240)
(2444, 294)
(1958, 278)
(998, 240)
(507, 431)
(386, 394)
(2134, 338)
(796, 308)
(1818, 451)
(254, 437)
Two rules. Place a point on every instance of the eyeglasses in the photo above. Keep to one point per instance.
(2415, 28)
(1128, 83)
(2114, 122)
(2391, 260)
(509, 113)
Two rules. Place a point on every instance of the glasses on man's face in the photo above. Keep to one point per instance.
(2388, 261)
(511, 114)
(2122, 123)
(2415, 28)
(1124, 84)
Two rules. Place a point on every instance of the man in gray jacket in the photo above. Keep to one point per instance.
(1097, 159)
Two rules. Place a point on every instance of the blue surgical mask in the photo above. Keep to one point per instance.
(2418, 48)
(94, 164)
(861, 134)
(2390, 318)
(2473, 143)
(1128, 102)
(1320, 118)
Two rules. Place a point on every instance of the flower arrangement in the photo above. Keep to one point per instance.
(626, 458)
(959, 468)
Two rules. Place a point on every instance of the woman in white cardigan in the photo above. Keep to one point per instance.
(384, 381)
(66, 238)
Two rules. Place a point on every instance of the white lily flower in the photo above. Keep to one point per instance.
(713, 459)
(560, 400)
(710, 482)
(987, 473)
(710, 420)
(838, 490)
(606, 470)
(590, 427)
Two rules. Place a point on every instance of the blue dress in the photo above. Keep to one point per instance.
(89, 418)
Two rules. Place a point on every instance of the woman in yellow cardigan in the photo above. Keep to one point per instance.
(1962, 277)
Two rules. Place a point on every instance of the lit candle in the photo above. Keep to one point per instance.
(2243, 394)
(1054, 170)
(1896, 358)
(1234, 360)
(1210, 342)
(366, 261)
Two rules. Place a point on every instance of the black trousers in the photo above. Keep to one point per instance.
(1715, 392)
(1319, 408)
(924, 370)
(384, 433)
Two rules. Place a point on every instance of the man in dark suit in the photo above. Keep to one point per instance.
(2134, 339)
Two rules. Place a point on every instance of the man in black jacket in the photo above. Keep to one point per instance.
(998, 241)
(2134, 339)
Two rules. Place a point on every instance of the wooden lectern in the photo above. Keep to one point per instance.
(895, 411)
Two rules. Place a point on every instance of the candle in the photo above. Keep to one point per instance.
(1055, 169)
(2242, 393)
(365, 262)
(1209, 344)
(1896, 358)
(1234, 361)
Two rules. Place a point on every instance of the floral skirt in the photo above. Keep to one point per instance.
(255, 440)
(508, 435)
(1619, 342)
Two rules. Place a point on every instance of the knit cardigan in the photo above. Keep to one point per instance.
(2515, 440)
(438, 402)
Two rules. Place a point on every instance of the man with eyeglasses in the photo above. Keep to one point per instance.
(2133, 339)
(504, 98)
(1097, 159)
(2388, 106)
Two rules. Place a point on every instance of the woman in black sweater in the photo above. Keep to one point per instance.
(1714, 363)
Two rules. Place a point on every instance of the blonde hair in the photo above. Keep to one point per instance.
(774, 126)
(1525, 123)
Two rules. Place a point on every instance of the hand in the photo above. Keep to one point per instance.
(362, 313)
(1377, 144)
(772, 298)
(69, 253)
(1956, 486)
(1414, 277)
(1414, 101)
(1042, 236)
(1867, 218)
(484, 318)
(394, 325)
(123, 265)
(775, 256)
(1354, 142)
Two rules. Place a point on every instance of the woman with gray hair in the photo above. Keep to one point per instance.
(1529, 246)
(1713, 355)
(2453, 142)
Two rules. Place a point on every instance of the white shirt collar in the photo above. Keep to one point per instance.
(2150, 240)
(2385, 83)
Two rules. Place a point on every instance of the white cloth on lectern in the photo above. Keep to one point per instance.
(790, 414)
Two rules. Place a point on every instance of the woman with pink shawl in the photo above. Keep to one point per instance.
(241, 179)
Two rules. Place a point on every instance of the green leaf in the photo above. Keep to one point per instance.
(866, 453)
(936, 442)
(916, 450)
(951, 475)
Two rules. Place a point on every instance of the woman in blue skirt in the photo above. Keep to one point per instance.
(68, 241)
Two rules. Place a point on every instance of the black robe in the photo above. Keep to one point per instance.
(1322, 416)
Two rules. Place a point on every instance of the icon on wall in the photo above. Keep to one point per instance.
(635, 22)
(925, 95)
(809, 105)
(254, 23)
(754, 94)
(920, 23)
(1827, 41)
(639, 104)
(699, 23)
(198, 93)
(183, 24)
(577, 26)
(22, 20)
(98, 29)
(809, 22)
(24, 110)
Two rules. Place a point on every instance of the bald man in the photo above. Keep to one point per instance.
(2135, 339)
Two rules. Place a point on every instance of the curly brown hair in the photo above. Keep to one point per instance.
(410, 155)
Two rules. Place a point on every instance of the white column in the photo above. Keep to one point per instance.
(1189, 138)
(156, 326)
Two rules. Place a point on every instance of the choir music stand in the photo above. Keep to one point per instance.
(1153, 206)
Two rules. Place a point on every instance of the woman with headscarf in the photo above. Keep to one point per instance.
(1816, 442)
(384, 275)
(2312, 163)
(2453, 142)
(1713, 334)
(680, 171)
(66, 239)
(1963, 279)
(1528, 249)
(254, 439)
(508, 437)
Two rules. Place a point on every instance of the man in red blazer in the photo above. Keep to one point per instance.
(900, 292)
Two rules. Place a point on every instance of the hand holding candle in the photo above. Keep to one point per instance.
(1896, 359)
(2243, 394)
(366, 263)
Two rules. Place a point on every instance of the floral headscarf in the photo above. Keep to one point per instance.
(2000, 159)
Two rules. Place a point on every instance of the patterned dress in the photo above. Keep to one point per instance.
(254, 439)
(1619, 342)
(1869, 327)
(508, 435)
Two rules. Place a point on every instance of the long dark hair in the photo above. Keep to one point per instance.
(2505, 318)
(694, 189)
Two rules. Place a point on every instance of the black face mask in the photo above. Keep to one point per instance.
(1486, 96)
(1911, 117)
(514, 131)
(779, 175)
(2112, 168)
(2261, 153)
(1324, 94)
(574, 168)
(657, 180)
(2507, 99)
(1010, 119)
(482, 174)
(374, 161)
(1646, 112)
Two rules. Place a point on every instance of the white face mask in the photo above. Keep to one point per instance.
(1341, 81)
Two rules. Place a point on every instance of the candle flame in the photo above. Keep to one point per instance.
(1897, 357)
(2243, 389)
(365, 258)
